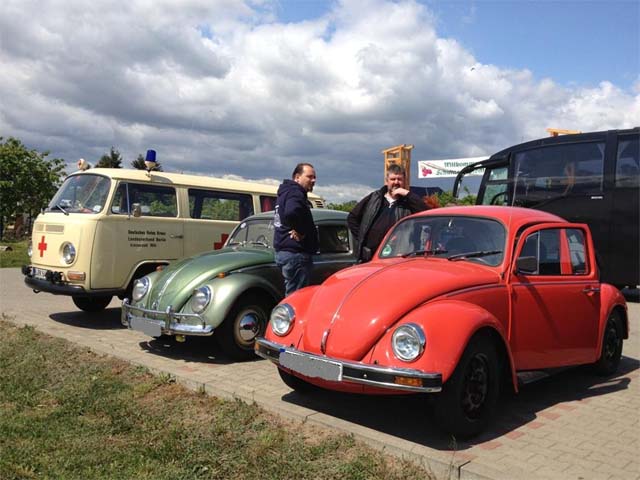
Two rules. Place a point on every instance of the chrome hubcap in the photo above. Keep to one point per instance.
(248, 327)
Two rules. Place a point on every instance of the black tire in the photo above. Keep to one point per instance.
(611, 346)
(246, 321)
(92, 304)
(295, 383)
(468, 399)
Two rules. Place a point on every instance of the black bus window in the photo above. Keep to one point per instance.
(557, 170)
(627, 163)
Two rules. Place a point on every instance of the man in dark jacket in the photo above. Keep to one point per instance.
(295, 239)
(376, 213)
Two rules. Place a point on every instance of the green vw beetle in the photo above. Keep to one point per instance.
(231, 291)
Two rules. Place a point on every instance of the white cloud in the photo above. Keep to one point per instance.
(219, 87)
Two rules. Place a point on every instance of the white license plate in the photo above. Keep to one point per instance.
(311, 367)
(40, 273)
(145, 326)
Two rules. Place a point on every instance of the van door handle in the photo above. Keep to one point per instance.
(591, 290)
(176, 236)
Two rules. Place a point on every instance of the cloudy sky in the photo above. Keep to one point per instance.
(251, 87)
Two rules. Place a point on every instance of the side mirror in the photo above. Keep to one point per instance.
(527, 265)
(136, 210)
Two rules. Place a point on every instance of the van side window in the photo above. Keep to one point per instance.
(154, 200)
(215, 205)
(627, 163)
(333, 239)
(558, 170)
(267, 203)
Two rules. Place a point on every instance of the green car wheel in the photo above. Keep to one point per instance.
(246, 321)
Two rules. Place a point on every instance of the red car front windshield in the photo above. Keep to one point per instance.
(454, 237)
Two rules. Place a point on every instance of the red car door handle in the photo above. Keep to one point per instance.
(591, 290)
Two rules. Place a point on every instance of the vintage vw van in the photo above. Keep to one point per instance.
(106, 227)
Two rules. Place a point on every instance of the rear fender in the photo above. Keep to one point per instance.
(448, 326)
(611, 299)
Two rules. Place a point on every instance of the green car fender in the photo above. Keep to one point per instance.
(227, 290)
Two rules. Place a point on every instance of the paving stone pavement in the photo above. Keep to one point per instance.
(569, 426)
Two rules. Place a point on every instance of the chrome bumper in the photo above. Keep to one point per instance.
(332, 369)
(155, 323)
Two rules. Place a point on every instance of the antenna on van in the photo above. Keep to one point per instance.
(150, 161)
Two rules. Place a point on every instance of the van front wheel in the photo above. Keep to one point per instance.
(92, 304)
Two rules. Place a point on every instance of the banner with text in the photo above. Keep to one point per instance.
(446, 168)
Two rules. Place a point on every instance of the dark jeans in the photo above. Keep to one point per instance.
(295, 268)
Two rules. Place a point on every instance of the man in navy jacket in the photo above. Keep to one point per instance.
(295, 239)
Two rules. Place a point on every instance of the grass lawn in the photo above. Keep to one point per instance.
(67, 413)
(17, 256)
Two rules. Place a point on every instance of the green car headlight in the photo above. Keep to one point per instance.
(408, 342)
(140, 288)
(200, 299)
(282, 318)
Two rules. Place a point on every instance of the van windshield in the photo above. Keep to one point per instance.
(81, 194)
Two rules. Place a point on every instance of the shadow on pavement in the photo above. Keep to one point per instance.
(408, 417)
(194, 349)
(108, 319)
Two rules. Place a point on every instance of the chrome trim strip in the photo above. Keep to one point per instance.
(359, 367)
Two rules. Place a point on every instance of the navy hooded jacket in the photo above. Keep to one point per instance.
(294, 212)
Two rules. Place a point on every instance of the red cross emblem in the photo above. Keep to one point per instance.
(223, 238)
(42, 246)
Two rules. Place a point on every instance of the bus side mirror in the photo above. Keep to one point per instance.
(136, 210)
(527, 265)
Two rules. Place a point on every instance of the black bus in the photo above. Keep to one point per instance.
(591, 178)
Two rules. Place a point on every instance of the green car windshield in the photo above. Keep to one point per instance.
(476, 239)
(253, 233)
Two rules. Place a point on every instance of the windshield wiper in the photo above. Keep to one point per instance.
(481, 253)
(262, 244)
(57, 205)
(229, 244)
(433, 251)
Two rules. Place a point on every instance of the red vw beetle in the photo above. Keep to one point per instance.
(455, 301)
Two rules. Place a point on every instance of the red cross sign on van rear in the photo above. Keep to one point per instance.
(42, 246)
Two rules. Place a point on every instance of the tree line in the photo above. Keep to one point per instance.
(29, 179)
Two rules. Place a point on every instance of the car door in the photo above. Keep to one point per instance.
(142, 226)
(335, 251)
(554, 306)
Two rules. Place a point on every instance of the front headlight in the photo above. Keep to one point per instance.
(408, 342)
(200, 299)
(282, 318)
(68, 253)
(140, 288)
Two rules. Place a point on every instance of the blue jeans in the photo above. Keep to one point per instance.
(295, 268)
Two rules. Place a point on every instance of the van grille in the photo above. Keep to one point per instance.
(318, 203)
(41, 227)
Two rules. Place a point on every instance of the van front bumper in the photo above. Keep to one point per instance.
(50, 281)
(155, 323)
(335, 370)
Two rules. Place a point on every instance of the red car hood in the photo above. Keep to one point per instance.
(359, 304)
